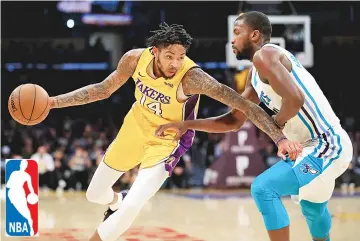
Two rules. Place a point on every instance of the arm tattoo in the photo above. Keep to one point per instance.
(196, 81)
(104, 89)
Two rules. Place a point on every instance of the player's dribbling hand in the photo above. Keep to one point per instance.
(292, 148)
(180, 128)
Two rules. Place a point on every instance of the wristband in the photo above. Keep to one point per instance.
(277, 124)
(280, 139)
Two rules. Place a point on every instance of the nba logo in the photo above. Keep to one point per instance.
(21, 197)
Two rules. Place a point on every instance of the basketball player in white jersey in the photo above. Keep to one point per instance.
(16, 192)
(305, 115)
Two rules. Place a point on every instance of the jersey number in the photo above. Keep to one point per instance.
(154, 106)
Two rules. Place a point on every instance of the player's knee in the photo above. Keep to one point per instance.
(92, 196)
(135, 201)
(260, 190)
(312, 210)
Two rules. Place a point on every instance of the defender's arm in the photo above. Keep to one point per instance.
(104, 89)
(268, 61)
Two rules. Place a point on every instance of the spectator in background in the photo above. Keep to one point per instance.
(195, 161)
(46, 167)
(179, 177)
(28, 149)
(60, 167)
(5, 154)
(269, 154)
(79, 165)
(97, 155)
(356, 169)
(240, 79)
(127, 179)
(356, 162)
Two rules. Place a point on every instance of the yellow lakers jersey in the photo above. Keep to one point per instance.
(156, 99)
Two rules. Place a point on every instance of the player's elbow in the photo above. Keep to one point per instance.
(231, 124)
(236, 126)
(298, 99)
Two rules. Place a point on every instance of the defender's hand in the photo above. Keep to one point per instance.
(180, 128)
(292, 148)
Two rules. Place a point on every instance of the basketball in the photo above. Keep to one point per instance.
(32, 198)
(29, 104)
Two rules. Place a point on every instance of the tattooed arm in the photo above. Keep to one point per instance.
(196, 81)
(104, 89)
(230, 121)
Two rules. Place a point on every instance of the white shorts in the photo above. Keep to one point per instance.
(321, 162)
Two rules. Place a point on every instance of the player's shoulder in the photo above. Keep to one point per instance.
(266, 56)
(134, 53)
(131, 58)
(267, 53)
(194, 72)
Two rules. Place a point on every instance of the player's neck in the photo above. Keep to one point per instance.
(155, 71)
(258, 47)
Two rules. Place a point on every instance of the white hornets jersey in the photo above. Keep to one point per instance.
(315, 118)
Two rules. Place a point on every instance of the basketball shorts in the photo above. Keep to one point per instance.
(136, 144)
(320, 163)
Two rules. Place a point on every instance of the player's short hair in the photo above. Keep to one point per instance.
(168, 35)
(257, 21)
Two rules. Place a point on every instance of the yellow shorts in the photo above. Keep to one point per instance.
(136, 144)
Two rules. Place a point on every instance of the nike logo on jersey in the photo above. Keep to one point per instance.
(141, 75)
(169, 84)
(151, 93)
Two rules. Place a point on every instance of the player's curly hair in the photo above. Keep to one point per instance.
(168, 35)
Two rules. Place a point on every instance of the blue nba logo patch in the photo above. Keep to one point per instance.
(307, 168)
(22, 187)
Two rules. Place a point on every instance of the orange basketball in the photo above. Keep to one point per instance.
(29, 104)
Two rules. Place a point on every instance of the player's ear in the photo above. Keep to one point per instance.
(255, 35)
(155, 51)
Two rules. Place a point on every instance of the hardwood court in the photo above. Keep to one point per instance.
(189, 216)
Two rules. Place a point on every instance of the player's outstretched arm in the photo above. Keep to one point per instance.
(231, 121)
(104, 89)
(196, 81)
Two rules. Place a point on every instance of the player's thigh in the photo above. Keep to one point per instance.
(127, 149)
(148, 181)
(104, 177)
(156, 153)
(279, 178)
(313, 184)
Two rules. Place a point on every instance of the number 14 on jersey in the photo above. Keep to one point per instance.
(153, 106)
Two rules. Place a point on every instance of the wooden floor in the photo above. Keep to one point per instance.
(190, 216)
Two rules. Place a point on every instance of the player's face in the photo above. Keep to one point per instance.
(169, 60)
(241, 43)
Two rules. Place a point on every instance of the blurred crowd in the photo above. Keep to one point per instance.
(52, 52)
(69, 153)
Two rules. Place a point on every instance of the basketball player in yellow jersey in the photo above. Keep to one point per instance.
(168, 85)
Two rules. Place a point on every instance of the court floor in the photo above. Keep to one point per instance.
(186, 215)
